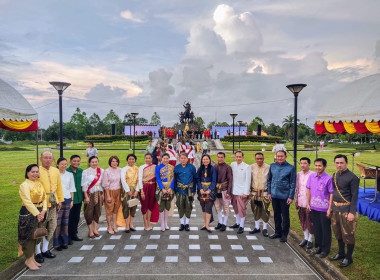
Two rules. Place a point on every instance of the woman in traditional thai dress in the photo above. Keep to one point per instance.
(147, 185)
(206, 182)
(93, 195)
(61, 234)
(164, 192)
(112, 188)
(32, 213)
(129, 181)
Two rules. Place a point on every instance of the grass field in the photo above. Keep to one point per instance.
(12, 169)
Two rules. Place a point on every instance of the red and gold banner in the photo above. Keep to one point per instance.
(349, 127)
(20, 126)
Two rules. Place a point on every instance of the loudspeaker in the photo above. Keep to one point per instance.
(113, 129)
(259, 129)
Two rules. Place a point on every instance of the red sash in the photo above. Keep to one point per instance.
(170, 151)
(96, 179)
(183, 149)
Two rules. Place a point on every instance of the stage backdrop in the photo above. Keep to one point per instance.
(224, 129)
(128, 130)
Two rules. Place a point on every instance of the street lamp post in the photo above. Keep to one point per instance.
(130, 135)
(295, 89)
(233, 132)
(134, 130)
(60, 87)
(240, 122)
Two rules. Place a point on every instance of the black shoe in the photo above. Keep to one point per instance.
(274, 236)
(316, 251)
(303, 243)
(323, 255)
(337, 257)
(240, 230)
(283, 239)
(209, 230)
(64, 247)
(265, 233)
(309, 245)
(39, 258)
(127, 231)
(58, 248)
(71, 242)
(187, 227)
(346, 262)
(255, 230)
(48, 254)
(223, 228)
(132, 229)
(76, 238)
(234, 226)
(218, 226)
(203, 228)
(182, 227)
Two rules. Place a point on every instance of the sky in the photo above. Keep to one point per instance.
(153, 55)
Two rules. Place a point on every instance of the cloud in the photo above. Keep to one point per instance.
(127, 14)
(161, 90)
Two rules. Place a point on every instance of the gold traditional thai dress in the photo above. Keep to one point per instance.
(259, 192)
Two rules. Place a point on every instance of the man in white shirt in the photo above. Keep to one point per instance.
(204, 147)
(240, 190)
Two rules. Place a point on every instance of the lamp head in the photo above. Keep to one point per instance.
(134, 114)
(60, 86)
(296, 88)
(233, 115)
(240, 122)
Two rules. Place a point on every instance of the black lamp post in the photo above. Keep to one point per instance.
(233, 132)
(130, 135)
(295, 89)
(60, 87)
(134, 130)
(240, 122)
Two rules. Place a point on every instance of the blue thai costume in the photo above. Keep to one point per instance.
(206, 181)
(165, 180)
(185, 180)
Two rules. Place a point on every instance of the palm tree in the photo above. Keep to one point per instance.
(288, 125)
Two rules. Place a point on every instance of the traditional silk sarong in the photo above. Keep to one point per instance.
(240, 205)
(342, 228)
(260, 209)
(305, 220)
(223, 204)
(93, 209)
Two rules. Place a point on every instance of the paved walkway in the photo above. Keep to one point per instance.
(173, 254)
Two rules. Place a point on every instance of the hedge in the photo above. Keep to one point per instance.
(111, 138)
(253, 138)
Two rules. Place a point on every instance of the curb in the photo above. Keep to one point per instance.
(14, 270)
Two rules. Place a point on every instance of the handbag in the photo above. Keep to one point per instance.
(133, 202)
(39, 233)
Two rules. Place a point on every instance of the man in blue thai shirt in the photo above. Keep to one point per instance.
(281, 187)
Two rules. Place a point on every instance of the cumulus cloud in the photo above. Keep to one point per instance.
(159, 82)
(127, 14)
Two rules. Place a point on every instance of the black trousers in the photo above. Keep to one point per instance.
(322, 230)
(281, 216)
(74, 218)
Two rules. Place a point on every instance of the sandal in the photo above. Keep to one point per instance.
(110, 231)
(96, 234)
(91, 236)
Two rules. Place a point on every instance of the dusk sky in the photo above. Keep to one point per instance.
(222, 56)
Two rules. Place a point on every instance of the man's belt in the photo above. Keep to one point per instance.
(182, 186)
(206, 184)
(341, 203)
(38, 204)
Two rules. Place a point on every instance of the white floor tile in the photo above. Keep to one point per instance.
(195, 259)
(135, 236)
(174, 236)
(97, 238)
(99, 260)
(193, 236)
(176, 210)
(236, 247)
(215, 247)
(232, 237)
(115, 237)
(193, 228)
(124, 259)
(86, 247)
(251, 237)
(156, 228)
(102, 229)
(155, 236)
(193, 215)
(174, 228)
(75, 260)
(130, 247)
(139, 228)
(247, 229)
(151, 247)
(229, 229)
(265, 259)
(173, 246)
(194, 247)
(213, 236)
(148, 259)
(242, 259)
(258, 247)
(218, 259)
(171, 259)
(108, 247)
(176, 215)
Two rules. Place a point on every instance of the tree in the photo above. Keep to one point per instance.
(254, 124)
(112, 118)
(274, 130)
(217, 124)
(155, 120)
(98, 126)
(200, 124)
(52, 132)
(288, 125)
(80, 122)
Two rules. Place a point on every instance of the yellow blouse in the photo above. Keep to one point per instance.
(32, 194)
(51, 180)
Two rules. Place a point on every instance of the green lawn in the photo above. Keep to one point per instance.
(367, 251)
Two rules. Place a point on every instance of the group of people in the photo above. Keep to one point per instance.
(52, 198)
